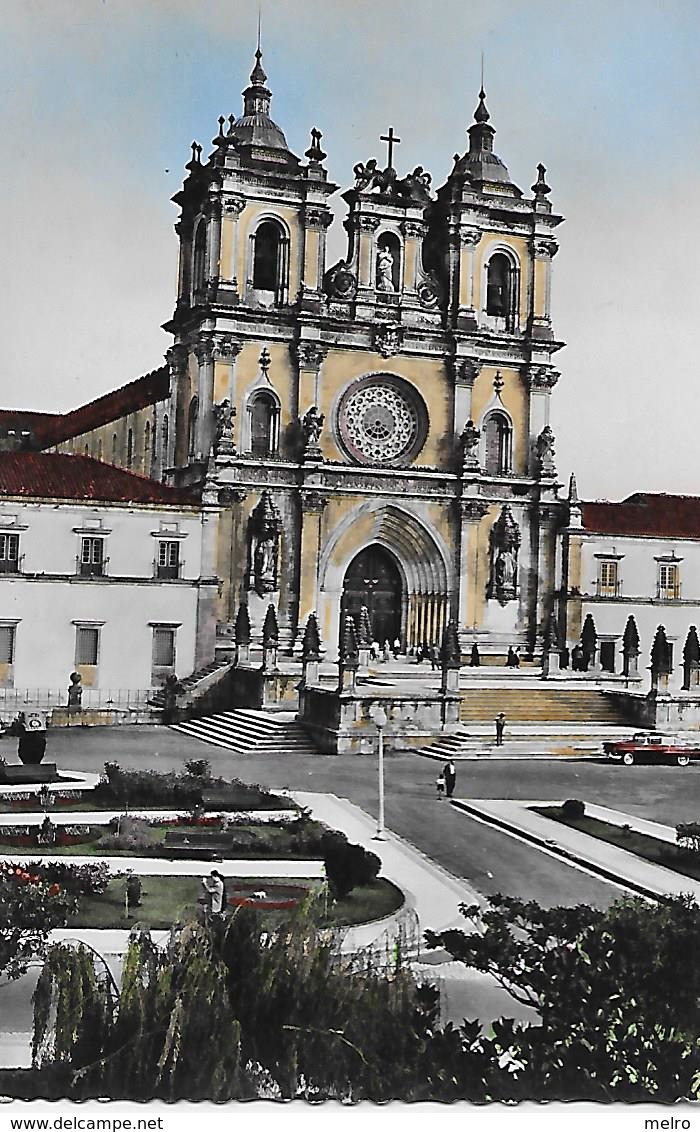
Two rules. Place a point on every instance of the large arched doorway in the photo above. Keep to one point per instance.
(373, 579)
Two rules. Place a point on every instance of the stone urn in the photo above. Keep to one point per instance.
(32, 739)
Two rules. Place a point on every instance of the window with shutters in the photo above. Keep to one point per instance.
(168, 563)
(668, 586)
(163, 647)
(7, 644)
(87, 645)
(92, 557)
(608, 580)
(9, 553)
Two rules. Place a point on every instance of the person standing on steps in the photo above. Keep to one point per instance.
(449, 773)
(500, 728)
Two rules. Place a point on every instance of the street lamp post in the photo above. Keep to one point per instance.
(380, 719)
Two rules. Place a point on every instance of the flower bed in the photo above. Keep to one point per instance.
(31, 837)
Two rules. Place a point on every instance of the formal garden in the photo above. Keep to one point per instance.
(264, 1002)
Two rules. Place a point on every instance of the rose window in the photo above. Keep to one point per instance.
(380, 422)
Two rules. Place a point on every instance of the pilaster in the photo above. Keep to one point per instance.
(313, 504)
(471, 512)
(309, 357)
(204, 350)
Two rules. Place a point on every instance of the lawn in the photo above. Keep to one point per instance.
(683, 861)
(165, 899)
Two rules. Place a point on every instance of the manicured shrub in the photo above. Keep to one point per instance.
(198, 768)
(573, 808)
(347, 865)
(688, 836)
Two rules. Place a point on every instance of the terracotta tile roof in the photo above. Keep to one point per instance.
(57, 475)
(24, 420)
(54, 428)
(645, 513)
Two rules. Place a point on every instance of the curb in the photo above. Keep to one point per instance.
(559, 851)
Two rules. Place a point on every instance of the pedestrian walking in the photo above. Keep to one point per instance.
(500, 728)
(434, 659)
(440, 786)
(450, 775)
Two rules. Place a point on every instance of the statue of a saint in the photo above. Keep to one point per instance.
(225, 413)
(470, 442)
(311, 426)
(264, 563)
(385, 270)
(505, 569)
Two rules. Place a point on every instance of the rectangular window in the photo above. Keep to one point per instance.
(7, 644)
(168, 565)
(87, 643)
(608, 585)
(92, 560)
(163, 648)
(9, 553)
(669, 586)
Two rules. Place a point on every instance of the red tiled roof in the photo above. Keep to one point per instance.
(57, 475)
(25, 420)
(645, 513)
(55, 428)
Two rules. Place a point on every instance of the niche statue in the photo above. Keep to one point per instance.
(265, 528)
(505, 544)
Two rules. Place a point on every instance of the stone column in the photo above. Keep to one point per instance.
(207, 593)
(228, 267)
(541, 380)
(226, 349)
(471, 512)
(312, 507)
(205, 356)
(213, 213)
(544, 248)
(310, 357)
(367, 227)
(467, 295)
(233, 498)
(414, 232)
(316, 220)
(466, 371)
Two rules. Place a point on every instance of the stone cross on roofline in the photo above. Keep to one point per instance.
(391, 141)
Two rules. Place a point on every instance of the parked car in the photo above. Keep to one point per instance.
(653, 748)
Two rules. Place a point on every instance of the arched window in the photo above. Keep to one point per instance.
(99, 449)
(86, 450)
(192, 426)
(130, 448)
(147, 448)
(388, 264)
(270, 263)
(502, 290)
(199, 258)
(498, 444)
(264, 424)
(115, 448)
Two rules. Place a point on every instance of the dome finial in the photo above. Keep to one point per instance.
(257, 75)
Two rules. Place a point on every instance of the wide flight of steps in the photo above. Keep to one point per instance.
(537, 704)
(250, 732)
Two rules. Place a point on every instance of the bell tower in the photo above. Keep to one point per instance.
(252, 234)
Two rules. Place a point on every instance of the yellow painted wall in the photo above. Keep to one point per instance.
(515, 401)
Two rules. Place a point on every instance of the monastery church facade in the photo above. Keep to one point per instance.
(376, 430)
(373, 432)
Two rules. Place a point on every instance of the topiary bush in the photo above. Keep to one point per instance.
(573, 808)
(347, 865)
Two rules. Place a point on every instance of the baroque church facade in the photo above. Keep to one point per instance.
(376, 431)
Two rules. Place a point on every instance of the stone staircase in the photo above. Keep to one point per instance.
(534, 704)
(193, 683)
(250, 732)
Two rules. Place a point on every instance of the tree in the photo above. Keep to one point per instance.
(30, 907)
(589, 640)
(616, 992)
(168, 1033)
(691, 656)
(242, 626)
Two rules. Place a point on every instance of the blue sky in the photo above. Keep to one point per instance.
(99, 101)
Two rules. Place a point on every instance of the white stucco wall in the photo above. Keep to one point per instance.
(48, 597)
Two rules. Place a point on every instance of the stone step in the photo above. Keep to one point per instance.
(248, 732)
